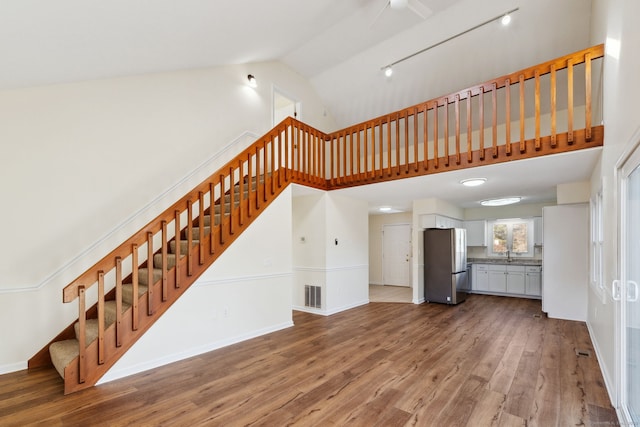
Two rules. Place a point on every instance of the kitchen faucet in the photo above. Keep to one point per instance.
(508, 255)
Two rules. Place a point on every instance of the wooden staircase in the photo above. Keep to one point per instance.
(140, 279)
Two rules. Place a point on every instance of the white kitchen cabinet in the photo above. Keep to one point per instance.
(516, 279)
(498, 278)
(476, 232)
(533, 281)
(439, 221)
(537, 231)
(480, 277)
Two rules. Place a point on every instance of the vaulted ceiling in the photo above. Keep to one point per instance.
(339, 45)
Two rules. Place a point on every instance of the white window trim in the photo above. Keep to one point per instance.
(510, 222)
(596, 246)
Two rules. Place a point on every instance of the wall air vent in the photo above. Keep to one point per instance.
(312, 296)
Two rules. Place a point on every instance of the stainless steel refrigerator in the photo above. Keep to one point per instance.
(445, 265)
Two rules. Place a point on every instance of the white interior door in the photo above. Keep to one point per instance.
(396, 254)
(628, 291)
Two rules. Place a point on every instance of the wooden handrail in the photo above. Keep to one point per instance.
(401, 144)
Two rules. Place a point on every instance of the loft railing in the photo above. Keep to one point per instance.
(475, 126)
(472, 127)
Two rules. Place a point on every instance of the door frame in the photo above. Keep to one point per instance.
(275, 90)
(408, 225)
(629, 158)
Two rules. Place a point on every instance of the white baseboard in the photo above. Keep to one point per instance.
(13, 367)
(608, 381)
(181, 355)
(329, 312)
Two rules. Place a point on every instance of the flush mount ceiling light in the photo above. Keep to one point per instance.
(501, 202)
(251, 81)
(473, 182)
(506, 19)
(388, 71)
(384, 208)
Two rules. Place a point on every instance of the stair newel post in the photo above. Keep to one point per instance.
(100, 317)
(189, 237)
(212, 217)
(134, 286)
(250, 183)
(223, 207)
(232, 199)
(82, 326)
(178, 250)
(149, 274)
(165, 262)
(118, 301)
(200, 227)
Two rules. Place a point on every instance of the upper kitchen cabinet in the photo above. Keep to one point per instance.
(537, 231)
(476, 232)
(439, 221)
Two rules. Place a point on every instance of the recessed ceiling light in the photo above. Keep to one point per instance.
(473, 182)
(384, 208)
(501, 202)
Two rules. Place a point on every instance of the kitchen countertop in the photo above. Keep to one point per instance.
(514, 261)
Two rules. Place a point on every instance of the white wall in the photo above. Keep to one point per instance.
(90, 163)
(376, 223)
(246, 293)
(341, 269)
(614, 21)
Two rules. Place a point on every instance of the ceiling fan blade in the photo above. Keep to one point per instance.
(386, 5)
(417, 7)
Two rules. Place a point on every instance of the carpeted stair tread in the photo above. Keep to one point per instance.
(62, 353)
(184, 246)
(91, 330)
(110, 310)
(143, 279)
(171, 260)
(195, 232)
(127, 291)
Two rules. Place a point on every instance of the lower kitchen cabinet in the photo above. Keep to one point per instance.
(506, 279)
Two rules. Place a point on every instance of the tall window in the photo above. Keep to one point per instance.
(513, 235)
(597, 239)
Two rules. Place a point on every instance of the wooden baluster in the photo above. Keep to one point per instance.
(481, 114)
(273, 165)
(232, 198)
(494, 103)
(507, 113)
(469, 129)
(265, 168)
(406, 141)
(359, 173)
(223, 206)
(570, 101)
(82, 326)
(389, 145)
(200, 227)
(100, 317)
(350, 163)
(241, 191)
(332, 160)
(118, 301)
(436, 141)
(135, 316)
(250, 184)
(150, 281)
(257, 200)
(307, 138)
(279, 156)
(457, 113)
(523, 144)
(190, 237)
(165, 262)
(212, 218)
(587, 82)
(344, 157)
(415, 139)
(553, 105)
(425, 136)
(381, 139)
(397, 122)
(286, 159)
(366, 151)
(177, 238)
(537, 104)
(446, 132)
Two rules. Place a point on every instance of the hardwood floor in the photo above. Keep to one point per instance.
(488, 361)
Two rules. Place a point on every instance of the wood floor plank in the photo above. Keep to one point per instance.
(485, 362)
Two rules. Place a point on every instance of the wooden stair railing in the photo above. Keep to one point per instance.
(473, 127)
(140, 279)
